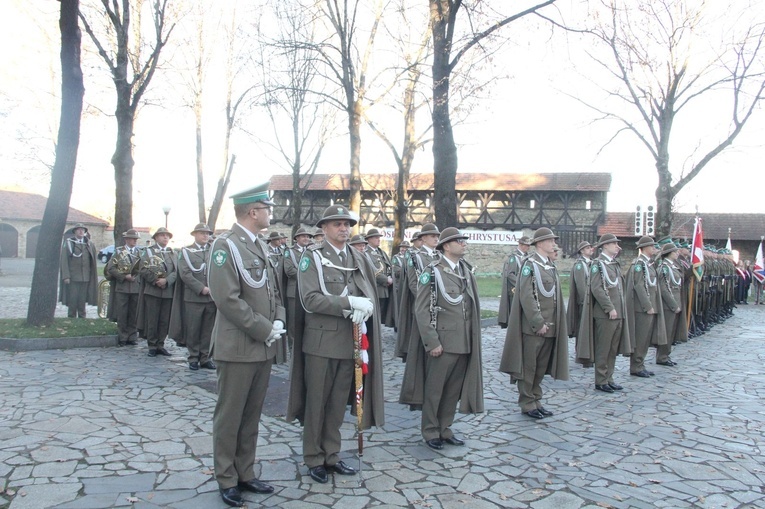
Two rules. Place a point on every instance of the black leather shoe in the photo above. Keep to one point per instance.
(232, 496)
(152, 353)
(256, 486)
(341, 468)
(208, 364)
(318, 474)
(161, 351)
(453, 441)
(435, 443)
(616, 387)
(650, 373)
(544, 411)
(121, 343)
(535, 414)
(666, 363)
(641, 374)
(193, 366)
(604, 388)
(131, 342)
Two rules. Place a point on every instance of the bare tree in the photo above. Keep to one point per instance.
(347, 66)
(412, 46)
(448, 49)
(121, 46)
(239, 87)
(661, 62)
(42, 298)
(291, 96)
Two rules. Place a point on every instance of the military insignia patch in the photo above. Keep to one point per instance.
(638, 268)
(512, 259)
(595, 269)
(526, 270)
(339, 210)
(425, 278)
(287, 253)
(219, 257)
(579, 266)
(304, 263)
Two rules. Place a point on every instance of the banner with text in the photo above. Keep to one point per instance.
(476, 236)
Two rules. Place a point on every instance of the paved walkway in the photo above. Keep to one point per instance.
(96, 428)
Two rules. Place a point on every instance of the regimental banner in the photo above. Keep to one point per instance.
(474, 236)
(697, 250)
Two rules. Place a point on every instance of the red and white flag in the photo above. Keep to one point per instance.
(697, 250)
(759, 265)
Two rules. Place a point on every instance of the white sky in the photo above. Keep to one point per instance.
(527, 125)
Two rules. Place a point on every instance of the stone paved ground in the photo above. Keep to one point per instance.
(95, 428)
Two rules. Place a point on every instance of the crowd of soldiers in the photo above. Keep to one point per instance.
(242, 301)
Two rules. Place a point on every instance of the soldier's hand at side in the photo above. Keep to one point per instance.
(677, 310)
(66, 281)
(612, 315)
(543, 330)
(130, 278)
(390, 280)
(205, 291)
(161, 282)
(437, 351)
(651, 311)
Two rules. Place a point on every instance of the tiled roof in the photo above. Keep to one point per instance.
(715, 226)
(465, 182)
(30, 207)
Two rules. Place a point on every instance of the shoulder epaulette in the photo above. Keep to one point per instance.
(314, 247)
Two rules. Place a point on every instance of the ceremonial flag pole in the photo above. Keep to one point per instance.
(759, 264)
(697, 264)
(361, 345)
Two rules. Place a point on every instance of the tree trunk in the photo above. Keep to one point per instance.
(354, 129)
(200, 168)
(664, 199)
(220, 192)
(123, 163)
(444, 149)
(42, 298)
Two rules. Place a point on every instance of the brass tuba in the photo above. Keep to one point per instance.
(104, 289)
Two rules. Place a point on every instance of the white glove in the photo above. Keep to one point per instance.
(362, 304)
(276, 332)
(357, 317)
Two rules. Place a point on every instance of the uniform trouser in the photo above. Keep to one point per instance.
(127, 307)
(384, 302)
(241, 391)
(444, 376)
(644, 325)
(536, 358)
(328, 385)
(77, 294)
(157, 312)
(291, 322)
(670, 322)
(198, 321)
(606, 342)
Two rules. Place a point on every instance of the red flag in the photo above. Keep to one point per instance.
(697, 250)
(759, 265)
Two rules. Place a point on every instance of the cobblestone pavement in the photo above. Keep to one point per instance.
(96, 428)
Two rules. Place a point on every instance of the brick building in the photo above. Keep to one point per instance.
(21, 217)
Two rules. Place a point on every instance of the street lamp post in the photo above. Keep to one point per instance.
(166, 210)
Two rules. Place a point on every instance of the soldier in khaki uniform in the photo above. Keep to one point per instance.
(579, 287)
(122, 271)
(537, 339)
(671, 284)
(158, 274)
(249, 321)
(193, 316)
(448, 317)
(336, 288)
(79, 278)
(422, 254)
(510, 271)
(383, 275)
(608, 312)
(645, 310)
(292, 256)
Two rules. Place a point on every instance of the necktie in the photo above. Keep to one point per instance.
(342, 258)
